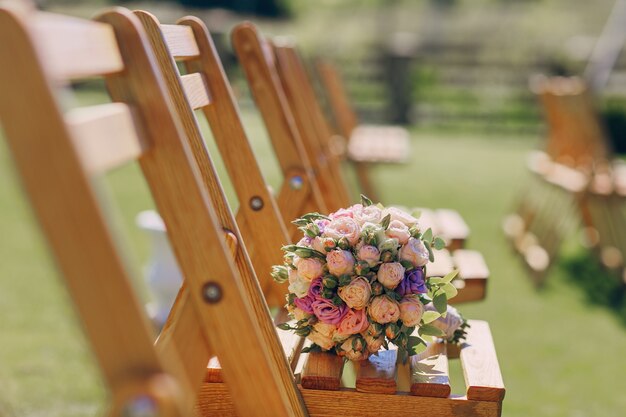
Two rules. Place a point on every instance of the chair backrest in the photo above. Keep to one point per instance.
(313, 126)
(205, 87)
(576, 136)
(345, 117)
(219, 310)
(301, 191)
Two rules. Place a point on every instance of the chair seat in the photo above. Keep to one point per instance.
(377, 143)
(445, 223)
(419, 387)
(473, 273)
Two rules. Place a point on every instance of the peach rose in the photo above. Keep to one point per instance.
(318, 244)
(384, 310)
(340, 262)
(309, 268)
(325, 328)
(369, 214)
(400, 215)
(298, 313)
(369, 254)
(411, 310)
(398, 230)
(323, 341)
(343, 227)
(356, 294)
(373, 343)
(415, 252)
(354, 322)
(355, 351)
(390, 274)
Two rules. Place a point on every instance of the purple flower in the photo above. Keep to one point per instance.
(321, 224)
(413, 283)
(315, 290)
(327, 312)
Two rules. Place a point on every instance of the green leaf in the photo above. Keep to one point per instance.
(440, 301)
(449, 277)
(439, 243)
(284, 326)
(428, 236)
(450, 290)
(430, 316)
(436, 280)
(431, 255)
(430, 330)
(416, 213)
(415, 345)
(385, 222)
(365, 201)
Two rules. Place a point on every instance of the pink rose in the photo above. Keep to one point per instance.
(354, 350)
(327, 312)
(340, 262)
(356, 294)
(341, 213)
(369, 254)
(355, 321)
(390, 274)
(398, 230)
(305, 241)
(415, 252)
(411, 310)
(369, 214)
(400, 215)
(384, 310)
(309, 268)
(343, 227)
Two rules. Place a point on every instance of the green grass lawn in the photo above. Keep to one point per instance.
(560, 355)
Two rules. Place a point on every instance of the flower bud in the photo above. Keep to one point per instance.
(375, 329)
(386, 256)
(377, 288)
(337, 301)
(303, 331)
(401, 340)
(280, 273)
(345, 279)
(389, 245)
(329, 244)
(344, 243)
(327, 293)
(329, 281)
(361, 268)
(391, 331)
(304, 252)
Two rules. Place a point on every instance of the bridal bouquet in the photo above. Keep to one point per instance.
(357, 282)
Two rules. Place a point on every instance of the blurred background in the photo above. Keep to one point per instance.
(456, 74)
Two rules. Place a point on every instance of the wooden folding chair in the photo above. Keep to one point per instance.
(205, 87)
(366, 144)
(220, 310)
(572, 178)
(279, 72)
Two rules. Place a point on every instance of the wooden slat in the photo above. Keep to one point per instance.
(215, 400)
(443, 264)
(196, 90)
(428, 220)
(75, 48)
(452, 224)
(372, 143)
(105, 135)
(378, 373)
(429, 372)
(483, 378)
(180, 41)
(322, 371)
(471, 264)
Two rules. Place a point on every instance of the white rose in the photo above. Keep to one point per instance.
(343, 227)
(297, 284)
(369, 214)
(415, 252)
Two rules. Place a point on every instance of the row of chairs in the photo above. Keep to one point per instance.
(220, 311)
(575, 181)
